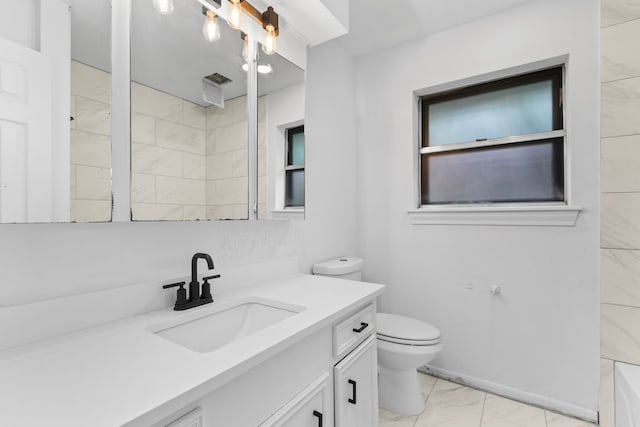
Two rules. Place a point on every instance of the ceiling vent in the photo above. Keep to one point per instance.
(218, 78)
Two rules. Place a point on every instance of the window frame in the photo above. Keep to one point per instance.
(289, 133)
(555, 73)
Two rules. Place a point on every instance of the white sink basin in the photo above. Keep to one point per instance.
(206, 330)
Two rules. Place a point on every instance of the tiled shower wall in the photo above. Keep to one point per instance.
(188, 162)
(90, 144)
(620, 198)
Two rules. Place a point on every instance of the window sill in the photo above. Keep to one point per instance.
(289, 213)
(553, 216)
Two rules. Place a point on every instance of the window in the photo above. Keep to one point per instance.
(294, 168)
(496, 142)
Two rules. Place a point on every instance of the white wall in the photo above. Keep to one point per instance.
(540, 335)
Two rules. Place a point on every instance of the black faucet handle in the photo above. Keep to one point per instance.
(215, 276)
(181, 294)
(173, 285)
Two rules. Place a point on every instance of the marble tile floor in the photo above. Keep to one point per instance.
(454, 405)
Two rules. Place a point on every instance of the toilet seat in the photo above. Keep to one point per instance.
(403, 330)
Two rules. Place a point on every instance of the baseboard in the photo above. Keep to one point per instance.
(512, 393)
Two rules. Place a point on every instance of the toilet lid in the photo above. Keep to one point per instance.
(405, 330)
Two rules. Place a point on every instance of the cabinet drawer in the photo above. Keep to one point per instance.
(353, 330)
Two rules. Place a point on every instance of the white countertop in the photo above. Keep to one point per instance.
(119, 372)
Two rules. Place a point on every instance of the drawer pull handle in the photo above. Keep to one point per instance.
(319, 415)
(362, 327)
(353, 392)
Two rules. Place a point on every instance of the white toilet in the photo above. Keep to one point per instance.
(404, 344)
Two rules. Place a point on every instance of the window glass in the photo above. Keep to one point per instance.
(532, 172)
(519, 110)
(296, 148)
(295, 188)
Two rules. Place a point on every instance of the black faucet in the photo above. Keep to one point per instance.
(195, 297)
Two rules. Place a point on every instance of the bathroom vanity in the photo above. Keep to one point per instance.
(293, 352)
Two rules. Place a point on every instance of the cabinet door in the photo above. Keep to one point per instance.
(310, 408)
(356, 387)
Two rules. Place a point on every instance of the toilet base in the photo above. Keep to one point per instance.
(399, 391)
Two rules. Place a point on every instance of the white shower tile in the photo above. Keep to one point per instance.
(155, 103)
(238, 107)
(143, 128)
(194, 115)
(240, 211)
(195, 212)
(620, 280)
(262, 162)
(220, 212)
(211, 142)
(501, 412)
(180, 191)
(240, 163)
(72, 181)
(620, 163)
(217, 117)
(194, 166)
(143, 188)
(620, 107)
(220, 166)
(452, 405)
(90, 82)
(231, 138)
(620, 220)
(156, 161)
(93, 116)
(93, 183)
(156, 212)
(606, 407)
(90, 211)
(262, 109)
(619, 51)
(617, 11)
(620, 333)
(180, 137)
(90, 149)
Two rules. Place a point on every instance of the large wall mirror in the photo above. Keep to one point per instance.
(189, 122)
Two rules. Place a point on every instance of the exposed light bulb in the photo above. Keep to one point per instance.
(164, 7)
(269, 45)
(211, 28)
(245, 47)
(262, 68)
(235, 14)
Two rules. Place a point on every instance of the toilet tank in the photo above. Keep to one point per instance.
(349, 268)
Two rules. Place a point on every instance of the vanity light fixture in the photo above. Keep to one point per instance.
(268, 20)
(164, 7)
(270, 25)
(235, 14)
(211, 27)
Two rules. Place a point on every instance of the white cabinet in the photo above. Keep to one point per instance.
(310, 408)
(356, 387)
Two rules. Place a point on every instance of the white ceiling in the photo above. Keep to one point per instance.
(377, 24)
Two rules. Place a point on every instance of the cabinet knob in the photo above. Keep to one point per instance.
(319, 415)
